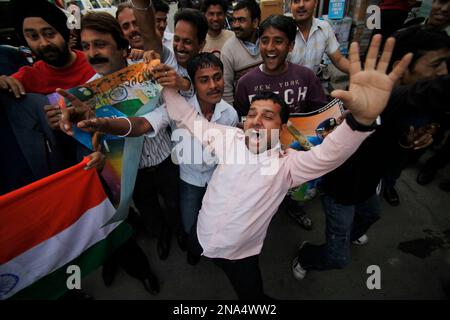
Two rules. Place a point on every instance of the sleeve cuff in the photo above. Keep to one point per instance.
(356, 126)
(154, 123)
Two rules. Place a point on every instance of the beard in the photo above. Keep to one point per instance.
(54, 56)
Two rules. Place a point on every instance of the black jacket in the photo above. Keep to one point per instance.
(356, 180)
(29, 149)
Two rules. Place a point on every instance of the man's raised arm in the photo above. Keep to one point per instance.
(186, 117)
(145, 19)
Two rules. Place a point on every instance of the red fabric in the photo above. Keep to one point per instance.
(402, 5)
(44, 79)
(38, 211)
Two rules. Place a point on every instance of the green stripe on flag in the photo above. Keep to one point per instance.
(53, 285)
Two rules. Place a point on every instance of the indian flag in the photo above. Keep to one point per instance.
(51, 224)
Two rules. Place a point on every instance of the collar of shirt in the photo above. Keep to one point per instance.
(275, 151)
(316, 25)
(268, 154)
(168, 36)
(131, 62)
(218, 109)
(95, 77)
(252, 47)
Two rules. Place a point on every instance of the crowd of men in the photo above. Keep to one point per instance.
(246, 81)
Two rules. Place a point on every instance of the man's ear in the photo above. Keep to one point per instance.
(255, 23)
(283, 127)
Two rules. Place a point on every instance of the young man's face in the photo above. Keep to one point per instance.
(101, 50)
(208, 84)
(440, 13)
(274, 46)
(127, 22)
(215, 17)
(185, 42)
(161, 22)
(47, 43)
(262, 126)
(242, 25)
(430, 65)
(302, 10)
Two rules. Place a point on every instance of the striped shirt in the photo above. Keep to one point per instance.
(309, 52)
(167, 40)
(157, 144)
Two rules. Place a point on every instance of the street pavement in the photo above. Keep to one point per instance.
(410, 245)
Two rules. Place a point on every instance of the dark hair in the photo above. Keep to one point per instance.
(269, 95)
(50, 13)
(251, 6)
(105, 23)
(417, 41)
(207, 3)
(161, 5)
(123, 6)
(282, 23)
(201, 61)
(196, 18)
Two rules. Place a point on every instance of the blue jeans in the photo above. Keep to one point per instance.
(344, 224)
(190, 204)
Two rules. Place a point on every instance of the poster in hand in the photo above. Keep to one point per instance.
(306, 130)
(124, 93)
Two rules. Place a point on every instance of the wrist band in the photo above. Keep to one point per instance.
(141, 9)
(129, 130)
(356, 126)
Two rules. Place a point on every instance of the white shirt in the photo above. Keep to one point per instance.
(321, 40)
(197, 164)
(167, 40)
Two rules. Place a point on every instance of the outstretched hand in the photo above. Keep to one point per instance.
(93, 125)
(371, 88)
(78, 111)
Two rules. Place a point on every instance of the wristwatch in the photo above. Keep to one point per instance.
(356, 126)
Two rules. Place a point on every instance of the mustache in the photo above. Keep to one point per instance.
(238, 29)
(135, 33)
(59, 56)
(212, 92)
(96, 60)
(49, 49)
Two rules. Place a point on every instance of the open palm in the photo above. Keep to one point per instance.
(370, 89)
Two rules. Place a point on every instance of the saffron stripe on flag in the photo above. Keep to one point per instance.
(28, 218)
(55, 252)
(25, 262)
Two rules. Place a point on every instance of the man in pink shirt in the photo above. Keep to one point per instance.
(254, 173)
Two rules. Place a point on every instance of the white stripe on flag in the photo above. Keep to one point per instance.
(58, 250)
